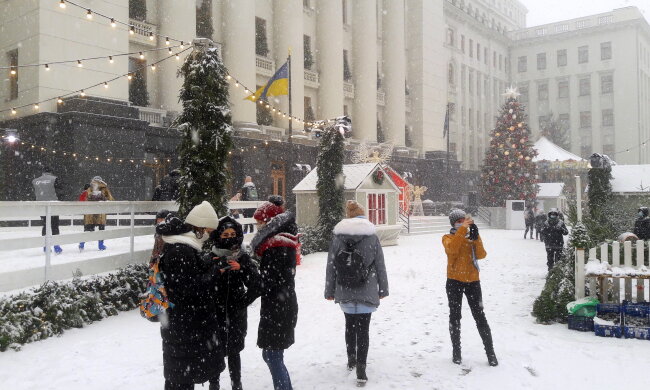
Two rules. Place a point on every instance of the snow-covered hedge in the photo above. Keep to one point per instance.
(53, 307)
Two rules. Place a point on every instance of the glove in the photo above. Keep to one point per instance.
(473, 232)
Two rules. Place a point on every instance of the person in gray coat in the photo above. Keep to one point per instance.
(357, 289)
(48, 187)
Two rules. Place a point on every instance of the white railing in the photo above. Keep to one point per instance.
(12, 211)
(154, 116)
(607, 267)
(143, 33)
(381, 98)
(265, 66)
(311, 78)
(348, 90)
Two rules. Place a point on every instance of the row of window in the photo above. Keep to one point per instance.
(606, 87)
(607, 119)
(561, 56)
(497, 59)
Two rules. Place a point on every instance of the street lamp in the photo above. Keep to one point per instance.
(10, 136)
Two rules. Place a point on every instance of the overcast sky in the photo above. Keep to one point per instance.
(549, 11)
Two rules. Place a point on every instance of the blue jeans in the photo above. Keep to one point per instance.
(274, 358)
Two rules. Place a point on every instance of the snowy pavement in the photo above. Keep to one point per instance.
(409, 342)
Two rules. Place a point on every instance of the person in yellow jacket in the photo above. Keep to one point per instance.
(97, 192)
(464, 248)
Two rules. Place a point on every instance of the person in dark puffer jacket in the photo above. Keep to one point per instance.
(554, 232)
(237, 288)
(276, 245)
(192, 352)
(642, 224)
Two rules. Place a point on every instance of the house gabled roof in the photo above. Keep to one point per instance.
(354, 174)
(548, 151)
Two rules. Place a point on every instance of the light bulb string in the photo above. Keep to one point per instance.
(89, 58)
(105, 82)
(117, 21)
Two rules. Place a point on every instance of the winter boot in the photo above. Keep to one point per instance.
(492, 359)
(236, 385)
(456, 356)
(361, 373)
(101, 245)
(57, 249)
(352, 362)
(214, 384)
(81, 246)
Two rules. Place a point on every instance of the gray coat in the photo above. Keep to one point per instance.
(363, 232)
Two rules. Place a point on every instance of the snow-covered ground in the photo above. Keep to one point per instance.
(410, 347)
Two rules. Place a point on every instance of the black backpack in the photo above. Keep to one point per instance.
(350, 269)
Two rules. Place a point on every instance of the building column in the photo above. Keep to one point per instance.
(330, 45)
(288, 31)
(178, 21)
(239, 54)
(394, 71)
(364, 69)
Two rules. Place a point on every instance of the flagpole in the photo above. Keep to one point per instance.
(290, 105)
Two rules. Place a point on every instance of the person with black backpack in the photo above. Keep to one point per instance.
(356, 279)
(248, 193)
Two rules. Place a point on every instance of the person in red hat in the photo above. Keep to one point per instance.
(276, 244)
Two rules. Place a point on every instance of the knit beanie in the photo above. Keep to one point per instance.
(353, 209)
(455, 215)
(203, 215)
(269, 209)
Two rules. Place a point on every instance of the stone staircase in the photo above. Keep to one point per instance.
(432, 225)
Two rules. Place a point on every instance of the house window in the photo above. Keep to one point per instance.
(606, 83)
(585, 87)
(608, 117)
(462, 43)
(309, 110)
(560, 28)
(204, 19)
(12, 60)
(470, 115)
(264, 116)
(563, 89)
(377, 208)
(485, 56)
(524, 94)
(541, 61)
(450, 75)
(542, 92)
(309, 58)
(306, 3)
(478, 51)
(347, 73)
(470, 83)
(522, 65)
(606, 51)
(494, 59)
(583, 54)
(451, 38)
(500, 61)
(561, 58)
(462, 115)
(471, 48)
(582, 24)
(540, 32)
(261, 43)
(565, 120)
(585, 119)
(478, 84)
(607, 19)
(345, 11)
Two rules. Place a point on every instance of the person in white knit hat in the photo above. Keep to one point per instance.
(190, 339)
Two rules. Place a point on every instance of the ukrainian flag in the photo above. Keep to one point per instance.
(277, 85)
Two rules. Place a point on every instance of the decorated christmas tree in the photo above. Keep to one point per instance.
(508, 170)
(206, 130)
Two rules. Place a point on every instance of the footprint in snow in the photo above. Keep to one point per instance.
(416, 374)
(531, 370)
(465, 370)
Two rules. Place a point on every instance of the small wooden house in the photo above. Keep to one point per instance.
(369, 185)
(551, 195)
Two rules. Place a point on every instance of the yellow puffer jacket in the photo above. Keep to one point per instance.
(98, 219)
(460, 265)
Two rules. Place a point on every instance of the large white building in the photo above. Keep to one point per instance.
(391, 65)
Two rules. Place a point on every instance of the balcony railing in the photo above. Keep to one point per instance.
(154, 116)
(264, 66)
(381, 98)
(348, 90)
(311, 79)
(143, 33)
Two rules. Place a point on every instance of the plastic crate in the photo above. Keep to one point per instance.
(637, 310)
(609, 330)
(580, 323)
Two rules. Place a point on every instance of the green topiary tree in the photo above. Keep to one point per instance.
(205, 125)
(599, 221)
(138, 94)
(330, 183)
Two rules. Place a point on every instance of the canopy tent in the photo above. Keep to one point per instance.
(548, 152)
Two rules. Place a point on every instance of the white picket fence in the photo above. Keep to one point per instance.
(610, 271)
(26, 211)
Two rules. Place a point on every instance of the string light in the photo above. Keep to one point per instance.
(153, 66)
(62, 3)
(105, 84)
(151, 36)
(47, 67)
(110, 59)
(130, 76)
(167, 41)
(170, 51)
(13, 111)
(36, 106)
(79, 64)
(141, 56)
(132, 30)
(13, 71)
(89, 14)
(59, 100)
(177, 57)
(82, 93)
(113, 24)
(182, 45)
